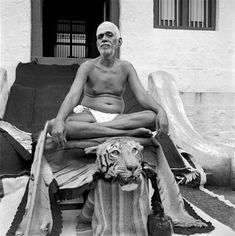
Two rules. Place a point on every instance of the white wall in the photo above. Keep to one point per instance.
(15, 35)
(201, 61)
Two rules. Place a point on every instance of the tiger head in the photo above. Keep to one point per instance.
(120, 158)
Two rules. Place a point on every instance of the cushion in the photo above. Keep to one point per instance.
(47, 102)
(37, 94)
(20, 106)
(36, 75)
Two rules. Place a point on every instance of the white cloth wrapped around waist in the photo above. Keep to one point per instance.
(98, 115)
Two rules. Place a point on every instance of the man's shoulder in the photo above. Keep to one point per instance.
(87, 64)
(126, 66)
(125, 63)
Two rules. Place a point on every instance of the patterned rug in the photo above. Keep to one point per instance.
(212, 204)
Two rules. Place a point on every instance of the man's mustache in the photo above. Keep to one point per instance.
(105, 43)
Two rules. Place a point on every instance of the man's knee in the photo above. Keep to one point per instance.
(150, 115)
(150, 119)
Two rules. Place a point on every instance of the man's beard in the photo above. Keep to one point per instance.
(107, 53)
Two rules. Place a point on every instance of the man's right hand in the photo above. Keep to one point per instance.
(58, 132)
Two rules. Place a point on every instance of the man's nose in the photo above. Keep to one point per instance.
(104, 38)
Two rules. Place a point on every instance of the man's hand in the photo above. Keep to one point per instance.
(58, 132)
(162, 122)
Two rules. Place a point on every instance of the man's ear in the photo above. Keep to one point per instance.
(119, 42)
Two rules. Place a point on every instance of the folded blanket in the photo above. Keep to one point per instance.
(115, 212)
(22, 144)
(171, 198)
(75, 173)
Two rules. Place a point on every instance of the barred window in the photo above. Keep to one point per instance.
(185, 14)
(71, 38)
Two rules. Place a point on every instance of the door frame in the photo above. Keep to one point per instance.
(37, 31)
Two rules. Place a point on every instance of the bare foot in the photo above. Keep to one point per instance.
(141, 132)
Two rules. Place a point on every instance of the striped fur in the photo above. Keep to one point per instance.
(120, 158)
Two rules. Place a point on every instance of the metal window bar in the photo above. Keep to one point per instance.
(163, 12)
(167, 12)
(177, 12)
(71, 38)
(172, 12)
(160, 12)
(189, 13)
(196, 13)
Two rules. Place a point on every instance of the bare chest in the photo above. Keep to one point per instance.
(102, 80)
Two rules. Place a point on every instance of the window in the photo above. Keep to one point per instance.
(71, 39)
(185, 14)
(67, 29)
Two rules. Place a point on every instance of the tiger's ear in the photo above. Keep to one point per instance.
(91, 149)
(140, 147)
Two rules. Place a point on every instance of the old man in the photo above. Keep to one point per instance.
(102, 81)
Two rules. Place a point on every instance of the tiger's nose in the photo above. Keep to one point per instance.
(132, 168)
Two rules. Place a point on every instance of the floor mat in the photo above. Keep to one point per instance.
(210, 205)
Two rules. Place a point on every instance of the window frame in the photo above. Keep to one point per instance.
(184, 17)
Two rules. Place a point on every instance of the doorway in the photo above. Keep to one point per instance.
(67, 29)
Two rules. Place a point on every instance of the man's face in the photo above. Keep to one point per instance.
(107, 42)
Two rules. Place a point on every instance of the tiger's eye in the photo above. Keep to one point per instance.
(134, 151)
(115, 152)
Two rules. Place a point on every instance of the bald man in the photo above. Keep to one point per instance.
(103, 81)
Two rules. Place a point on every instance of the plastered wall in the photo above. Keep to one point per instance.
(201, 61)
(15, 35)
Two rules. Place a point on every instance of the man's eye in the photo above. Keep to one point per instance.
(100, 36)
(109, 34)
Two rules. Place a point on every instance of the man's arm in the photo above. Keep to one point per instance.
(146, 100)
(70, 101)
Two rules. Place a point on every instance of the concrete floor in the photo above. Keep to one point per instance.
(227, 192)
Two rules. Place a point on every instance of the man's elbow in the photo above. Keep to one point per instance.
(143, 102)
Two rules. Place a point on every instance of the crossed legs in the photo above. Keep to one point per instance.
(84, 126)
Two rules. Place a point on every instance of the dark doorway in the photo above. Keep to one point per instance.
(69, 27)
